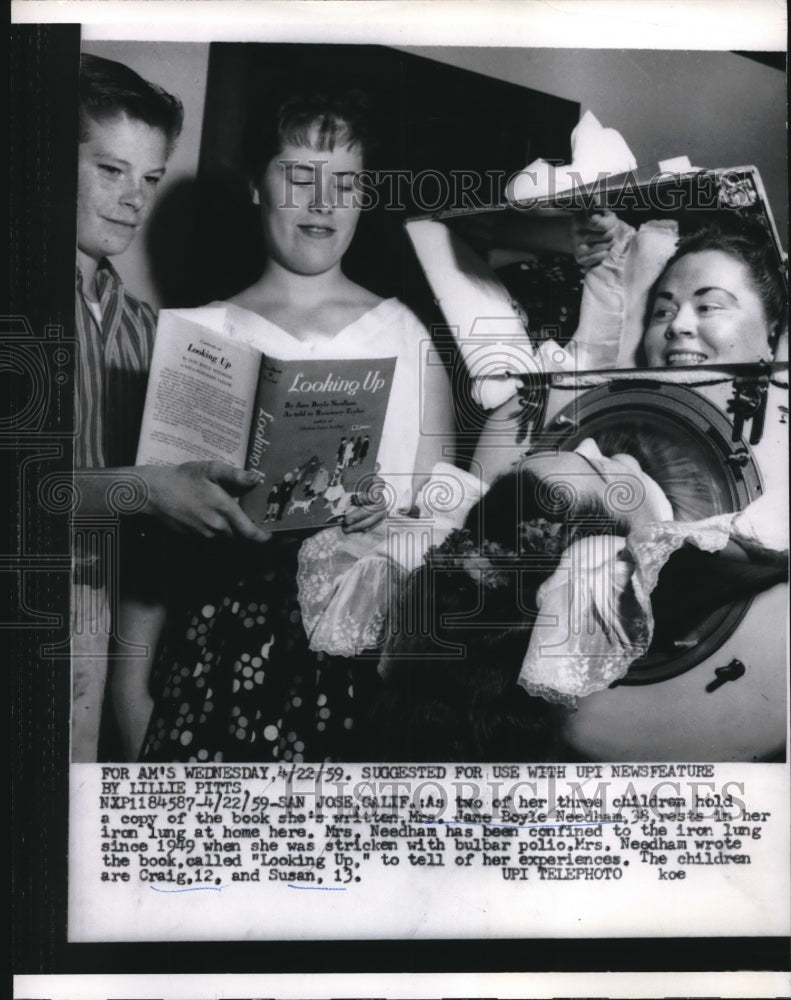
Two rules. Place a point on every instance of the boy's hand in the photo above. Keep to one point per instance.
(198, 497)
(593, 234)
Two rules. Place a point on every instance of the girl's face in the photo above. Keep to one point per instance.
(706, 311)
(617, 482)
(308, 209)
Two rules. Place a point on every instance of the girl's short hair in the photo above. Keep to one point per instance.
(749, 243)
(109, 89)
(321, 120)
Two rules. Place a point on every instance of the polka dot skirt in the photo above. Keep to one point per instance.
(236, 681)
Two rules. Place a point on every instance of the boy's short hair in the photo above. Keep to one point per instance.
(109, 89)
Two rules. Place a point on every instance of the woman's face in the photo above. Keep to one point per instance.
(706, 311)
(617, 482)
(308, 209)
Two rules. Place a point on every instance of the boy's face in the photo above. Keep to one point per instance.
(119, 166)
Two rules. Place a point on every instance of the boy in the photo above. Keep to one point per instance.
(128, 129)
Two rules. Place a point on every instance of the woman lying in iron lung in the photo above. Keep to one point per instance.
(644, 304)
(716, 297)
(611, 542)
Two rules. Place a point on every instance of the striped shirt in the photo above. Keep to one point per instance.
(111, 372)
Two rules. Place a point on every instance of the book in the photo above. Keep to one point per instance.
(310, 428)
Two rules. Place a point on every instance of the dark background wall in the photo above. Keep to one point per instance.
(719, 108)
(430, 119)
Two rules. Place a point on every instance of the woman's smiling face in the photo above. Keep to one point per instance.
(706, 311)
(617, 482)
(308, 208)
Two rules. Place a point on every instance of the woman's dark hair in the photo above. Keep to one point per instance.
(671, 458)
(462, 624)
(748, 243)
(321, 120)
(520, 501)
(109, 89)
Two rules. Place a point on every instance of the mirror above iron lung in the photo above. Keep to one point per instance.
(506, 278)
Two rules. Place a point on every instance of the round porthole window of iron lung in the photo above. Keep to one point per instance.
(683, 441)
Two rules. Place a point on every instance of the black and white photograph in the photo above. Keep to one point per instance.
(414, 628)
(402, 500)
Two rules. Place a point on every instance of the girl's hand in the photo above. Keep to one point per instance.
(362, 519)
(370, 508)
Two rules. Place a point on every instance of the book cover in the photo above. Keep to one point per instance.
(314, 437)
(310, 428)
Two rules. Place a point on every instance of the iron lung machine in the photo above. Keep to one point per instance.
(715, 688)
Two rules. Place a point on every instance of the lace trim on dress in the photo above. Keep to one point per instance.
(345, 594)
(347, 583)
(595, 616)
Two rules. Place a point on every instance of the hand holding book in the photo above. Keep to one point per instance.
(189, 498)
(199, 497)
(369, 509)
(307, 431)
